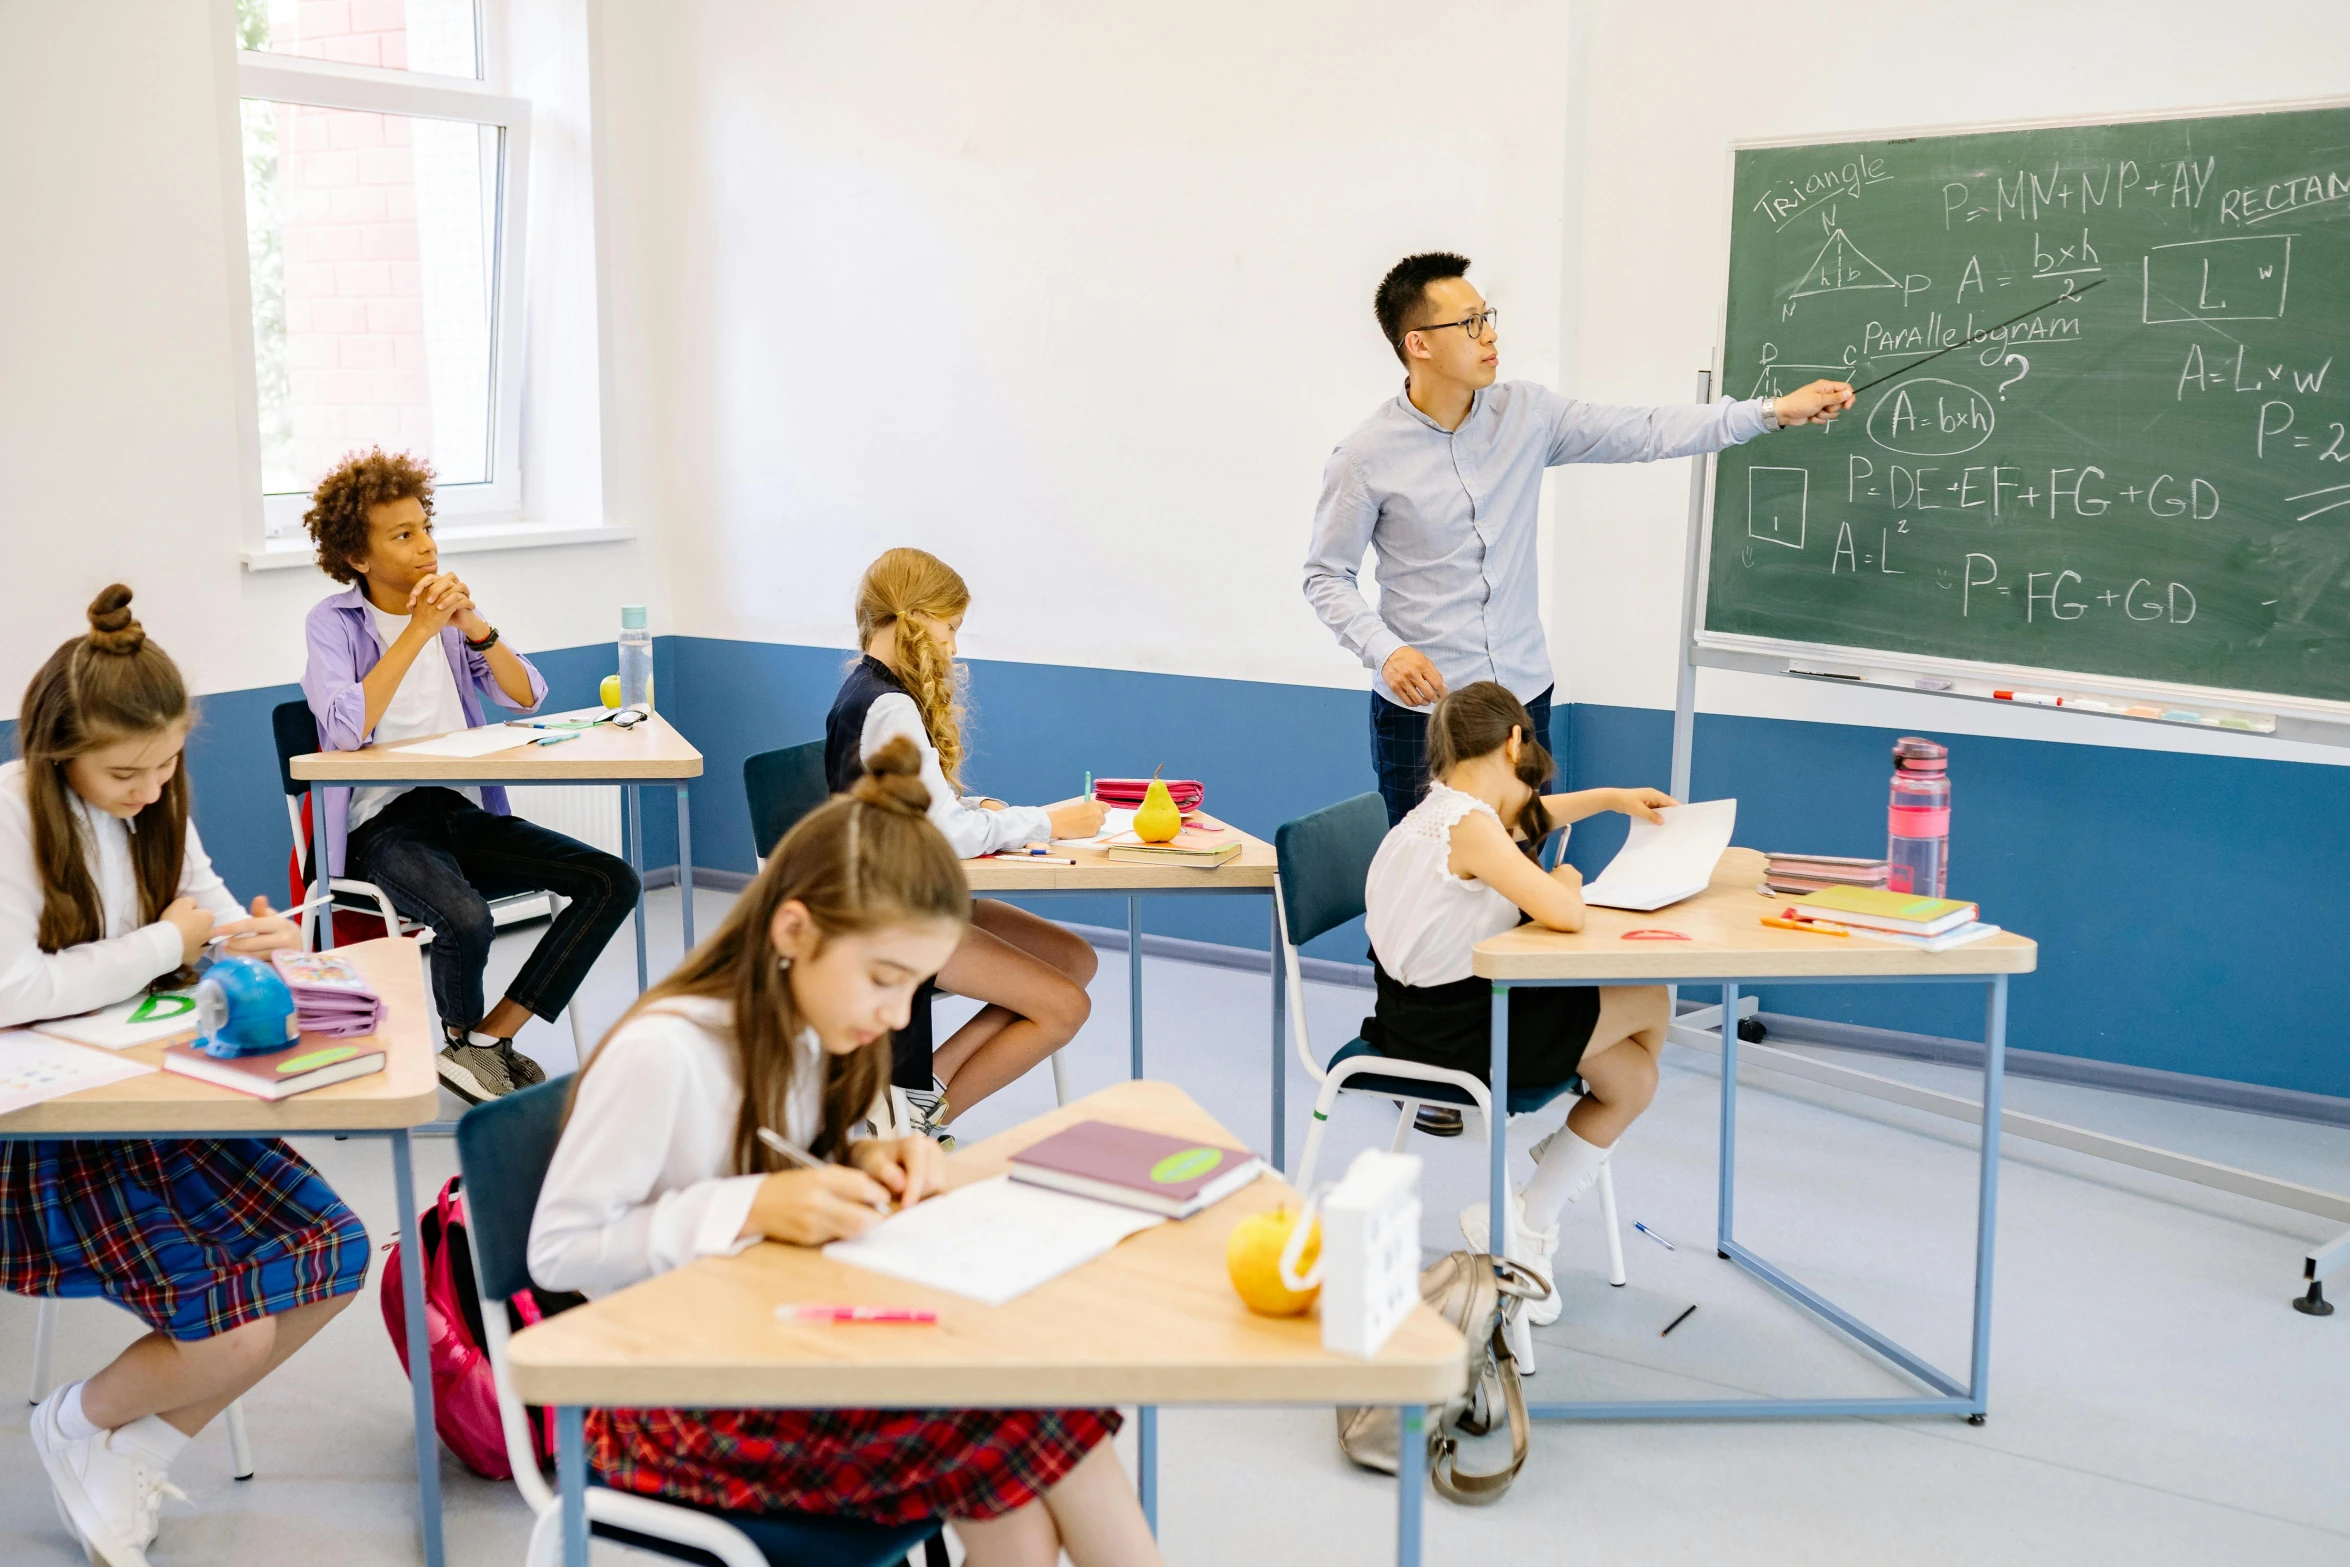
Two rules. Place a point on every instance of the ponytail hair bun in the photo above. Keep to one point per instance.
(113, 629)
(892, 780)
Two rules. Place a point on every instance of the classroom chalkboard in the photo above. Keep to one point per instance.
(2104, 424)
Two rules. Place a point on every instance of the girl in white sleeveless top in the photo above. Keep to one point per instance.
(1460, 868)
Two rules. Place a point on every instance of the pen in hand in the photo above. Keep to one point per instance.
(299, 908)
(801, 1157)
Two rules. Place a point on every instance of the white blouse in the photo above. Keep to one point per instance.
(970, 828)
(36, 984)
(641, 1182)
(1422, 919)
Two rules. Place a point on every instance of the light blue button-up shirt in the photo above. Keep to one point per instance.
(1451, 515)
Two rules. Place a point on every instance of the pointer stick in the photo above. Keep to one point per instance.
(1972, 341)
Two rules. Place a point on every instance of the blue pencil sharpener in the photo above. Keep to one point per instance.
(243, 1009)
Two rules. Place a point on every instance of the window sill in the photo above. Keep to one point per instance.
(290, 554)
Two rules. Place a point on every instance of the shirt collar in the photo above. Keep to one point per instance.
(881, 671)
(1411, 410)
(353, 598)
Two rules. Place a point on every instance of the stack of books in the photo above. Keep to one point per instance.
(1201, 844)
(1929, 924)
(1801, 873)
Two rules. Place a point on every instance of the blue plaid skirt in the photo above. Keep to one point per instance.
(193, 1238)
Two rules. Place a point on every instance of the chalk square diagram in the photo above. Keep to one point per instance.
(1776, 499)
(2240, 278)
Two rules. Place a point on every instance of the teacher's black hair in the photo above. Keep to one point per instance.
(1405, 288)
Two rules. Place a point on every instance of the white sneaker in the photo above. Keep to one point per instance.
(1536, 1249)
(922, 1106)
(110, 1495)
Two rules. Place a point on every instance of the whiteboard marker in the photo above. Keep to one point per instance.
(2033, 698)
(1924, 684)
(2179, 715)
(2087, 704)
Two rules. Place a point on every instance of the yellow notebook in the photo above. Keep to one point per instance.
(1875, 908)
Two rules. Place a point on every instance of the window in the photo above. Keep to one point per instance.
(383, 223)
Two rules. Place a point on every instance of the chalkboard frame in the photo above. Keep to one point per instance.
(2270, 714)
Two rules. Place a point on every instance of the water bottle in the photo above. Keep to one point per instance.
(1917, 849)
(636, 659)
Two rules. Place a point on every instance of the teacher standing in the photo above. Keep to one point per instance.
(1443, 482)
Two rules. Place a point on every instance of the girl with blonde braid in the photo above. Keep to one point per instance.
(1030, 972)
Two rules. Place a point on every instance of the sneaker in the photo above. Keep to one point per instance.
(474, 1073)
(110, 1495)
(521, 1070)
(1438, 1121)
(1536, 1249)
(926, 1108)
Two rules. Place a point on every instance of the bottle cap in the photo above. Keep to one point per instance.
(1919, 755)
(632, 617)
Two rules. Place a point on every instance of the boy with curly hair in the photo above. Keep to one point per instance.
(402, 653)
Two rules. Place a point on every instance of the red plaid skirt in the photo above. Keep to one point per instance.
(193, 1238)
(893, 1466)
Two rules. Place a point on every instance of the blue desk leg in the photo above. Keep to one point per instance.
(1134, 977)
(428, 1442)
(571, 1476)
(1727, 1190)
(685, 867)
(1280, 1066)
(1411, 1483)
(1497, 1216)
(1987, 1197)
(318, 872)
(632, 829)
(1146, 1461)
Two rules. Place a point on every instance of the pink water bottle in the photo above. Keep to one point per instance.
(1917, 849)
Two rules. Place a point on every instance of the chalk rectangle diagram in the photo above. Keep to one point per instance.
(1776, 499)
(2241, 278)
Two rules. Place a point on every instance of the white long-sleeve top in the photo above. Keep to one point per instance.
(36, 984)
(970, 828)
(641, 1182)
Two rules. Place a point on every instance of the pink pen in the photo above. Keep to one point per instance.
(805, 1312)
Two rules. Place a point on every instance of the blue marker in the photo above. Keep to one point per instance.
(1659, 1239)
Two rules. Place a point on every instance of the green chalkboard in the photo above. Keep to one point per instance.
(2145, 474)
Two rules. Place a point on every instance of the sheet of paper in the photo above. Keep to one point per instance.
(992, 1241)
(1113, 823)
(471, 742)
(121, 1026)
(34, 1067)
(1665, 862)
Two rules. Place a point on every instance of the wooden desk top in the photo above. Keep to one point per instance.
(1154, 1321)
(1728, 942)
(405, 1093)
(1094, 871)
(645, 753)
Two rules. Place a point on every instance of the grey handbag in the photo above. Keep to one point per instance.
(1479, 1294)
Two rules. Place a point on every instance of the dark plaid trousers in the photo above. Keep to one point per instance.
(1399, 749)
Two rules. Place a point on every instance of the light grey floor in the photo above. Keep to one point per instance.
(2153, 1398)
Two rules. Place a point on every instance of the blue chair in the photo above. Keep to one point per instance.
(1325, 859)
(504, 1148)
(781, 787)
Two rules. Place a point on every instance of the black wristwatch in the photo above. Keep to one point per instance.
(485, 644)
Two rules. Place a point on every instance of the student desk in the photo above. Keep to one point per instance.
(385, 1104)
(652, 752)
(1729, 944)
(1250, 873)
(1154, 1321)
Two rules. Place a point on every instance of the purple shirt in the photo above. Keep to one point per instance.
(343, 647)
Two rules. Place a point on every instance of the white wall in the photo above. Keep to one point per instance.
(1663, 91)
(119, 417)
(1077, 296)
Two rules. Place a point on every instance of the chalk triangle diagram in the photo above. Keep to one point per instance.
(1840, 266)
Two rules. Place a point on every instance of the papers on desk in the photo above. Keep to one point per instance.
(34, 1068)
(992, 1241)
(1113, 823)
(470, 742)
(1661, 864)
(142, 1020)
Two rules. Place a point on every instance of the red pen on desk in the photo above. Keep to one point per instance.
(912, 1315)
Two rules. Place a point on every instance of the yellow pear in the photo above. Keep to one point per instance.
(1156, 820)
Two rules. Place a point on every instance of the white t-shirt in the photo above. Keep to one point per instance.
(1421, 918)
(425, 704)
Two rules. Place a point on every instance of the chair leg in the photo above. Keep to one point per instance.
(240, 1447)
(1403, 1126)
(1060, 1097)
(934, 1551)
(1615, 1231)
(1324, 1102)
(44, 1338)
(579, 1040)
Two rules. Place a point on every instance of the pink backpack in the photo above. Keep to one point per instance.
(464, 1392)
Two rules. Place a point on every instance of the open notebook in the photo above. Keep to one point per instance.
(992, 1241)
(1664, 863)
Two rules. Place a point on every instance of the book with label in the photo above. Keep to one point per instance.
(1136, 1169)
(1203, 847)
(281, 1074)
(1903, 913)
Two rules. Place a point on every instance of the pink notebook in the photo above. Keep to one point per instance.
(331, 997)
(1137, 1169)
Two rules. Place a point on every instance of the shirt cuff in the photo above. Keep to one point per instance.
(168, 947)
(1379, 647)
(720, 1234)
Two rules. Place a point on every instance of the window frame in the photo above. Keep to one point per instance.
(275, 521)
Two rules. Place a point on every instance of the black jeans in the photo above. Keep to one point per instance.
(1399, 749)
(441, 858)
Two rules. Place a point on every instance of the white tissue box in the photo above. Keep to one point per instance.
(1370, 1252)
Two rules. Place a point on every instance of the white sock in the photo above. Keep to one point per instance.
(154, 1436)
(1569, 1166)
(486, 1041)
(76, 1426)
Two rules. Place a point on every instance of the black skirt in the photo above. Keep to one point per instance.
(1452, 1026)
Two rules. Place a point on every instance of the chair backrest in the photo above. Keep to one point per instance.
(296, 730)
(1325, 860)
(782, 786)
(504, 1148)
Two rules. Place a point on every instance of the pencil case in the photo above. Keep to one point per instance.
(1126, 793)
